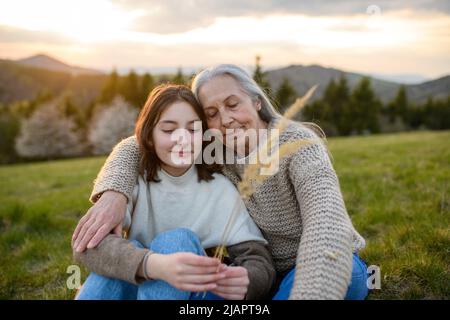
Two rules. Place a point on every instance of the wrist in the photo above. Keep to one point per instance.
(115, 195)
(153, 265)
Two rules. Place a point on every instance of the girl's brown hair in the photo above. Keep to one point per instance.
(159, 100)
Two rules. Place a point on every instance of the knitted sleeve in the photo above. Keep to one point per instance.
(255, 257)
(120, 171)
(324, 257)
(114, 257)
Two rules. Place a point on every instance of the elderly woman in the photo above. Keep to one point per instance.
(299, 209)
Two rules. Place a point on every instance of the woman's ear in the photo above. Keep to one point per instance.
(258, 104)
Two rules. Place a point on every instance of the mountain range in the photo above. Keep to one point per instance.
(22, 79)
(304, 77)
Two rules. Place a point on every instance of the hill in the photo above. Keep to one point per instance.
(49, 63)
(304, 77)
(19, 81)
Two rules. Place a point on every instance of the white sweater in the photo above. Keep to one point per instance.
(203, 207)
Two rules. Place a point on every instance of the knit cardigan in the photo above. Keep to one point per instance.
(300, 211)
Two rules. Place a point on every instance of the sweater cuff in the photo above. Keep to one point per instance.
(109, 185)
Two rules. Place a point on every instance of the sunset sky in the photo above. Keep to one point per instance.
(384, 37)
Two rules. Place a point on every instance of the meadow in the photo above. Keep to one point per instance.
(396, 188)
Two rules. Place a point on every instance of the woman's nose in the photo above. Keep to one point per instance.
(225, 119)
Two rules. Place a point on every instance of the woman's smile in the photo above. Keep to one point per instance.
(234, 132)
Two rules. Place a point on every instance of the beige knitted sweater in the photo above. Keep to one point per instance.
(300, 211)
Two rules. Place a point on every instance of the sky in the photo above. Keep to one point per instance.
(376, 37)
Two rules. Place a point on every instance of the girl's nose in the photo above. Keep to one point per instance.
(183, 137)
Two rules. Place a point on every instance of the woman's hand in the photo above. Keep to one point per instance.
(105, 215)
(235, 284)
(186, 271)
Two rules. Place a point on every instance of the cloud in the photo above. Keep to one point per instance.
(9, 34)
(172, 16)
(200, 32)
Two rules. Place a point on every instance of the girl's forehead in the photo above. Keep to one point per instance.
(179, 112)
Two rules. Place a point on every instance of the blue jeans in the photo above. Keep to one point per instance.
(357, 290)
(97, 287)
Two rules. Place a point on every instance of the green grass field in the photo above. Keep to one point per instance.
(396, 188)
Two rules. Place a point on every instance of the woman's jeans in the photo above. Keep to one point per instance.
(357, 290)
(97, 287)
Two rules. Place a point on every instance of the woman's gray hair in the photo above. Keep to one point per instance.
(267, 112)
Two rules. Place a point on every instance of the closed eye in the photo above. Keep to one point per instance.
(212, 114)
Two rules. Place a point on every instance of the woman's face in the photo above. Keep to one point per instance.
(177, 138)
(231, 110)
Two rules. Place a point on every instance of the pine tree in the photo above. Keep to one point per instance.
(72, 111)
(417, 116)
(147, 84)
(285, 95)
(314, 112)
(129, 89)
(110, 89)
(340, 107)
(326, 112)
(259, 76)
(9, 129)
(399, 106)
(364, 108)
(437, 114)
(179, 77)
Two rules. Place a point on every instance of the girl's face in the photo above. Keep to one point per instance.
(231, 110)
(177, 138)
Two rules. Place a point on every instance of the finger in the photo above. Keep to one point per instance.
(88, 236)
(233, 282)
(84, 228)
(201, 270)
(198, 287)
(79, 225)
(221, 268)
(229, 296)
(236, 272)
(202, 279)
(118, 230)
(98, 236)
(231, 290)
(196, 260)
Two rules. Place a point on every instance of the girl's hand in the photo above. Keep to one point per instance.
(185, 271)
(235, 285)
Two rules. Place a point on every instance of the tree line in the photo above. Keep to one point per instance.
(49, 127)
(342, 111)
(57, 126)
